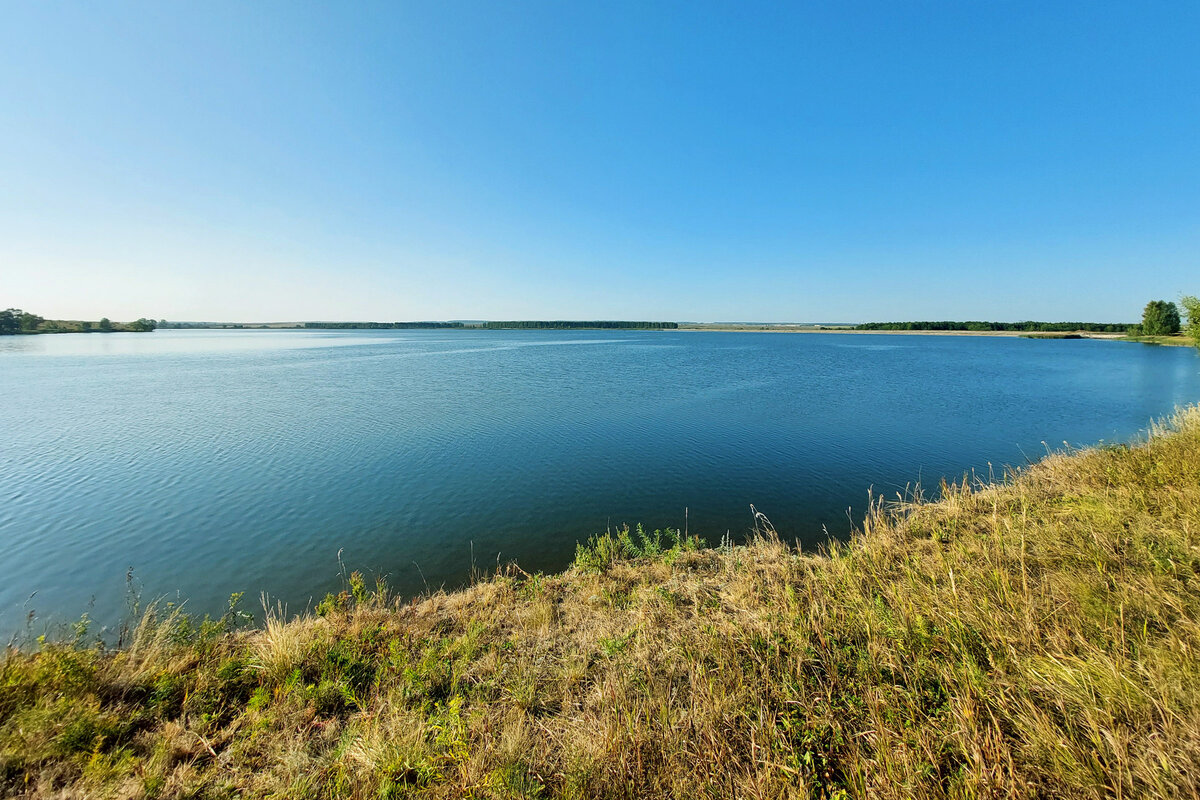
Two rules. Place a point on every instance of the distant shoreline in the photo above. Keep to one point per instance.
(783, 327)
(808, 329)
(1171, 341)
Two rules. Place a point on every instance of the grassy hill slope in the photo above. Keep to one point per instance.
(1037, 638)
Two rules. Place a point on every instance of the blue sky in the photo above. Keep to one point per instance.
(693, 161)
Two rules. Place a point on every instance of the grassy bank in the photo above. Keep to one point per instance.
(1033, 639)
(1052, 336)
(1178, 340)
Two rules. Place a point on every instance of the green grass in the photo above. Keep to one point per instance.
(1175, 341)
(1052, 336)
(1036, 638)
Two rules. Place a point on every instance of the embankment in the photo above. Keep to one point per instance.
(1037, 638)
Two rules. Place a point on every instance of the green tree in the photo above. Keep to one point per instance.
(30, 322)
(10, 321)
(105, 324)
(142, 325)
(1191, 307)
(1160, 318)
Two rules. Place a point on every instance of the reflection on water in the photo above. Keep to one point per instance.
(221, 461)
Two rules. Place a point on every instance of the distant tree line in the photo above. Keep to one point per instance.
(1159, 318)
(1030, 326)
(383, 325)
(14, 321)
(570, 324)
(187, 326)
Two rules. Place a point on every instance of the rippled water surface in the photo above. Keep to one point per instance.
(220, 461)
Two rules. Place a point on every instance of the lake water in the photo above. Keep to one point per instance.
(218, 461)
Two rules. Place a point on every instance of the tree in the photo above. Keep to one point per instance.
(1191, 306)
(30, 322)
(1160, 318)
(105, 324)
(14, 320)
(141, 325)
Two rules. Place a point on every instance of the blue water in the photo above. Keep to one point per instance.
(220, 461)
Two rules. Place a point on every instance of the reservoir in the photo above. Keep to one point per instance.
(216, 461)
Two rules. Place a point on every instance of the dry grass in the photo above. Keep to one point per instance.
(1032, 639)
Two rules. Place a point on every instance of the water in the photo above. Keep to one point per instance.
(219, 461)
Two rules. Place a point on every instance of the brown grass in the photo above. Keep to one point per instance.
(1037, 638)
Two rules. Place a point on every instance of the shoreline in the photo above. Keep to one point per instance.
(806, 329)
(1179, 340)
(1058, 603)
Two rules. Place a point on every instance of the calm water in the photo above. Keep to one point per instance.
(220, 461)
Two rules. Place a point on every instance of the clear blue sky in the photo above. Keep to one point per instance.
(832, 161)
